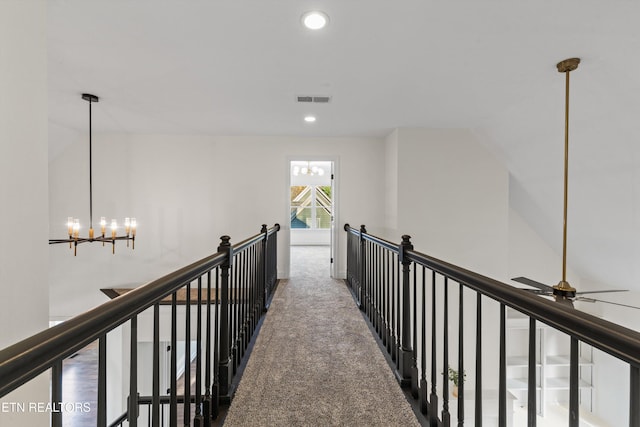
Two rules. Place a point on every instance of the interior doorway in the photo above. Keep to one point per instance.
(312, 213)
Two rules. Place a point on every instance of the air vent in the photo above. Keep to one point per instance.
(315, 99)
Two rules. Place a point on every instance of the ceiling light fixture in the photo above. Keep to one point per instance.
(310, 119)
(308, 170)
(315, 20)
(73, 224)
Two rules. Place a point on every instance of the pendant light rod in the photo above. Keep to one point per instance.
(90, 98)
(566, 67)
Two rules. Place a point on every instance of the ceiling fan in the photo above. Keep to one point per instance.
(563, 292)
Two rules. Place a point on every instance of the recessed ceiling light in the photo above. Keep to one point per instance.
(310, 119)
(315, 20)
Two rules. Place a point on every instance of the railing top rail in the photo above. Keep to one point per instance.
(239, 247)
(28, 358)
(375, 239)
(609, 337)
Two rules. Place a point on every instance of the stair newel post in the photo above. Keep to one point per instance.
(225, 373)
(362, 271)
(263, 281)
(405, 356)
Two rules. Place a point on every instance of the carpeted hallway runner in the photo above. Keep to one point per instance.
(315, 363)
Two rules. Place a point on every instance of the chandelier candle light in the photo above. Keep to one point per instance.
(308, 170)
(73, 224)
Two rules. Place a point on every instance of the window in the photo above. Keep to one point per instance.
(311, 206)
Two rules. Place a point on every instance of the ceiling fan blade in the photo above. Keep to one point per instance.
(537, 291)
(533, 283)
(584, 299)
(601, 292)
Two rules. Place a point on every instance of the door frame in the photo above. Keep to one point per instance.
(335, 171)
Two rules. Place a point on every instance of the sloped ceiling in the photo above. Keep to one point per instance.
(235, 67)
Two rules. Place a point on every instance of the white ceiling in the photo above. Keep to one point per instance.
(235, 67)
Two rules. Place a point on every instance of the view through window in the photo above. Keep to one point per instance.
(311, 206)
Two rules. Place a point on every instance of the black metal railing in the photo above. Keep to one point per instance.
(225, 294)
(405, 295)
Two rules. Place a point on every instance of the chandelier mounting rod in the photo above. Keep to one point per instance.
(90, 98)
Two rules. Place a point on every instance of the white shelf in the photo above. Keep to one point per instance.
(563, 384)
(564, 361)
(519, 362)
(551, 370)
(516, 384)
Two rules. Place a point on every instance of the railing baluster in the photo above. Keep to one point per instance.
(215, 391)
(101, 420)
(373, 253)
(56, 392)
(244, 301)
(383, 304)
(133, 374)
(423, 390)
(392, 317)
(532, 383)
(461, 373)
(263, 270)
(414, 345)
(233, 301)
(478, 399)
(155, 386)
(197, 421)
(187, 356)
(206, 401)
(364, 298)
(434, 369)
(446, 418)
(502, 380)
(376, 260)
(574, 390)
(173, 399)
(634, 396)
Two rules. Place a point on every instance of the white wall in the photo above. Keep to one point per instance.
(452, 198)
(186, 191)
(391, 181)
(23, 188)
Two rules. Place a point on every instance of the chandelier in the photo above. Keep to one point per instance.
(73, 224)
(308, 170)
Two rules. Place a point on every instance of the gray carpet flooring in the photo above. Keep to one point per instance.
(315, 362)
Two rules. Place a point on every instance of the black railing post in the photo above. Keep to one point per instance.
(502, 380)
(225, 366)
(155, 401)
(634, 396)
(132, 413)
(362, 265)
(263, 282)
(532, 405)
(478, 395)
(574, 390)
(102, 382)
(56, 393)
(405, 356)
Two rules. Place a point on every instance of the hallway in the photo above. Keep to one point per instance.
(315, 361)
